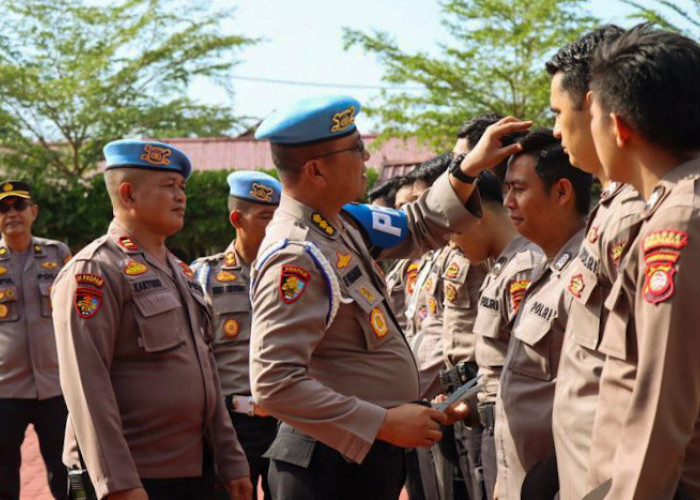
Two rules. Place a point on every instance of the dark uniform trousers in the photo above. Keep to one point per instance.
(488, 448)
(15, 416)
(185, 488)
(467, 445)
(302, 468)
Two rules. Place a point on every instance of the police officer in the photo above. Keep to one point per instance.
(147, 418)
(645, 114)
(608, 235)
(547, 201)
(29, 388)
(225, 278)
(326, 354)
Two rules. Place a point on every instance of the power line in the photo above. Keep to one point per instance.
(327, 85)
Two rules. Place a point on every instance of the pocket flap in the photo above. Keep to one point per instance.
(488, 323)
(531, 328)
(153, 304)
(291, 447)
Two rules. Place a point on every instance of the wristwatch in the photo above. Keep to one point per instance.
(455, 169)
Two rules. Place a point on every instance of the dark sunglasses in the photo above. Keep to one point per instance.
(359, 148)
(19, 206)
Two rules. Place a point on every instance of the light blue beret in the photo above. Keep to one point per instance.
(384, 227)
(311, 120)
(149, 155)
(257, 187)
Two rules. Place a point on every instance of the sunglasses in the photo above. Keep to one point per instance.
(358, 148)
(19, 206)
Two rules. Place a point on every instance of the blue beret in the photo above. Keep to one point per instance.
(257, 187)
(150, 155)
(311, 120)
(384, 227)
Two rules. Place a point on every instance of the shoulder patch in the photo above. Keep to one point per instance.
(293, 281)
(88, 295)
(661, 253)
(516, 291)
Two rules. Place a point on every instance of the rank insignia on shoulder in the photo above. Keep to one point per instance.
(377, 321)
(293, 281)
(128, 244)
(450, 292)
(322, 224)
(517, 291)
(343, 260)
(3, 269)
(593, 234)
(224, 276)
(231, 328)
(230, 259)
(562, 261)
(49, 264)
(577, 285)
(186, 269)
(134, 268)
(432, 305)
(452, 270)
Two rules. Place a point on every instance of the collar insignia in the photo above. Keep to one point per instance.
(230, 259)
(322, 224)
(127, 243)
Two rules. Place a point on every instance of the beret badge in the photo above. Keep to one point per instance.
(343, 119)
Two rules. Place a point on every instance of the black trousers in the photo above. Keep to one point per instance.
(184, 488)
(49, 419)
(255, 435)
(488, 461)
(329, 476)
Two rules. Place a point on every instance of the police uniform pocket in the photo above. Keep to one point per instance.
(532, 356)
(158, 320)
(586, 308)
(488, 326)
(45, 292)
(614, 339)
(9, 310)
(233, 316)
(292, 447)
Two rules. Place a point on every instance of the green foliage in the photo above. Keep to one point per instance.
(372, 178)
(669, 15)
(494, 64)
(75, 75)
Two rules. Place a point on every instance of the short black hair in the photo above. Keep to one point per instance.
(574, 61)
(489, 187)
(430, 170)
(553, 164)
(386, 190)
(650, 78)
(473, 129)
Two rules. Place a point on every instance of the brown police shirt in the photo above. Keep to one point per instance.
(400, 280)
(327, 356)
(28, 361)
(523, 429)
(611, 227)
(137, 373)
(646, 435)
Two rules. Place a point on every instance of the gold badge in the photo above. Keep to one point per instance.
(3, 269)
(3, 250)
(225, 276)
(48, 265)
(450, 292)
(616, 251)
(323, 224)
(127, 243)
(231, 328)
(134, 268)
(261, 192)
(4, 311)
(343, 260)
(593, 234)
(156, 155)
(368, 296)
(37, 248)
(7, 187)
(343, 119)
(452, 270)
(432, 304)
(517, 291)
(577, 285)
(378, 322)
(230, 259)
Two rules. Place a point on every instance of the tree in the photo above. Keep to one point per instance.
(74, 75)
(681, 17)
(494, 64)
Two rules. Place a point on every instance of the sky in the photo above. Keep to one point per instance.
(302, 42)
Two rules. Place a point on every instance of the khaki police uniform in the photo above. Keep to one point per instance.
(327, 356)
(645, 435)
(416, 310)
(137, 370)
(523, 429)
(499, 299)
(610, 224)
(400, 280)
(29, 387)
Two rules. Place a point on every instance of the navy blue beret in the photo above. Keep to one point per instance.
(150, 155)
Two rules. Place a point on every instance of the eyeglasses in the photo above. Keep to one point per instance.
(19, 206)
(359, 148)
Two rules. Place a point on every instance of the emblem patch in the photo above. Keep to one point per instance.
(377, 321)
(411, 277)
(128, 243)
(368, 296)
(323, 224)
(90, 279)
(343, 260)
(616, 251)
(48, 265)
(3, 269)
(343, 119)
(156, 155)
(261, 192)
(4, 311)
(225, 276)
(231, 328)
(134, 268)
(450, 292)
(593, 234)
(517, 291)
(577, 285)
(428, 284)
(452, 270)
(185, 269)
(293, 282)
(87, 301)
(8, 294)
(667, 238)
(432, 305)
(230, 259)
(660, 263)
(3, 250)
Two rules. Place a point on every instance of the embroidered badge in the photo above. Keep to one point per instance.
(377, 321)
(343, 119)
(411, 277)
(224, 276)
(450, 292)
(577, 285)
(432, 304)
(3, 269)
(230, 259)
(89, 279)
(293, 282)
(322, 224)
(343, 260)
(261, 192)
(616, 250)
(368, 296)
(127, 243)
(428, 285)
(88, 296)
(231, 328)
(593, 234)
(156, 155)
(48, 265)
(4, 311)
(3, 250)
(186, 269)
(7, 294)
(37, 248)
(452, 270)
(134, 268)
(660, 263)
(667, 238)
(517, 291)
